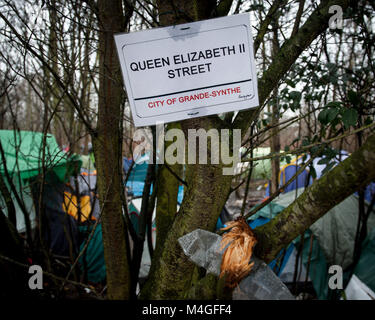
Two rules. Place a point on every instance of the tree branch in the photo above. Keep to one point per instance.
(355, 172)
(266, 22)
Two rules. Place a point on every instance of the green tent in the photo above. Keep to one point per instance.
(24, 154)
(25, 157)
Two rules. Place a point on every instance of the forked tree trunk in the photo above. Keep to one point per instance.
(204, 196)
(207, 190)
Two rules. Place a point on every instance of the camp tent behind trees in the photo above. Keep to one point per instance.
(23, 158)
(329, 241)
(305, 177)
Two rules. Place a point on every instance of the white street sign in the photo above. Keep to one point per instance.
(189, 70)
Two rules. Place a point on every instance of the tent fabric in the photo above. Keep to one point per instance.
(318, 267)
(278, 264)
(370, 192)
(365, 269)
(137, 176)
(283, 264)
(85, 182)
(287, 273)
(287, 172)
(24, 191)
(134, 212)
(139, 170)
(93, 259)
(263, 216)
(60, 228)
(342, 155)
(64, 235)
(268, 212)
(357, 290)
(304, 179)
(87, 162)
(336, 231)
(337, 245)
(126, 164)
(23, 153)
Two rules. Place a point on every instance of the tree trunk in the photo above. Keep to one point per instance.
(204, 197)
(107, 149)
(166, 209)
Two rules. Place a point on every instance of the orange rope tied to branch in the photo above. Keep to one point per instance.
(235, 263)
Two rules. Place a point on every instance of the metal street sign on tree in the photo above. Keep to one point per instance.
(189, 70)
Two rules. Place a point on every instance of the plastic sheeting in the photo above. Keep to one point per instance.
(203, 248)
(261, 284)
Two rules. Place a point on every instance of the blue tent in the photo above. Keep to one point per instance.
(370, 192)
(287, 172)
(304, 179)
(137, 176)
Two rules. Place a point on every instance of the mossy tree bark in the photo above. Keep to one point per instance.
(204, 197)
(166, 209)
(275, 139)
(107, 149)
